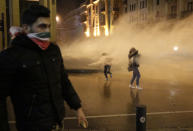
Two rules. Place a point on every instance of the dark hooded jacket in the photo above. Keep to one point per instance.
(133, 58)
(37, 83)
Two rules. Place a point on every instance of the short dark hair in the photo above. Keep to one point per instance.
(33, 13)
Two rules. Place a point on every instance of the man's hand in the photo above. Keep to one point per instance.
(81, 118)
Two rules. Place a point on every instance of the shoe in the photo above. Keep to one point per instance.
(131, 86)
(139, 88)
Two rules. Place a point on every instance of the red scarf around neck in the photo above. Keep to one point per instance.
(42, 44)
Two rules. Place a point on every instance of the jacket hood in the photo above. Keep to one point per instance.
(133, 53)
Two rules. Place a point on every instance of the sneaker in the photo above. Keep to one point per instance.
(131, 86)
(138, 87)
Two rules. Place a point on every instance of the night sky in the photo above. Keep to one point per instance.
(65, 6)
(80, 1)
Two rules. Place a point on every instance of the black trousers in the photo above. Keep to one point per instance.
(107, 70)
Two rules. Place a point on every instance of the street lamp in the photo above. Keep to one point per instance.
(175, 48)
(57, 19)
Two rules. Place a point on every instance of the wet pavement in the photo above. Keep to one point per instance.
(110, 105)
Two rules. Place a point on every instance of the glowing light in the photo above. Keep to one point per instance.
(97, 1)
(57, 18)
(98, 29)
(176, 48)
(87, 33)
(98, 32)
(89, 5)
(106, 31)
(95, 32)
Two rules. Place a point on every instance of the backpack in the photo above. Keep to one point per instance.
(130, 66)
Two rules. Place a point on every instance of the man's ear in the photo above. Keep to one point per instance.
(26, 28)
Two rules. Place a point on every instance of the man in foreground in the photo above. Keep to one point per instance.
(33, 74)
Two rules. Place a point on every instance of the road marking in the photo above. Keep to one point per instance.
(173, 112)
(122, 115)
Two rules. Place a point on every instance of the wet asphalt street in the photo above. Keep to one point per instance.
(111, 105)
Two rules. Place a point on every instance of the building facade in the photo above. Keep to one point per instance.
(100, 16)
(141, 11)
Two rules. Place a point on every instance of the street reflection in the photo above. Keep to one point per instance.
(107, 89)
(135, 97)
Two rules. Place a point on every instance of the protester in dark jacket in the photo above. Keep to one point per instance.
(133, 66)
(32, 73)
(107, 65)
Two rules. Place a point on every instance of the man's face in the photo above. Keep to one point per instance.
(42, 24)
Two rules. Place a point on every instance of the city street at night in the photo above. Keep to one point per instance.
(96, 65)
(111, 104)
